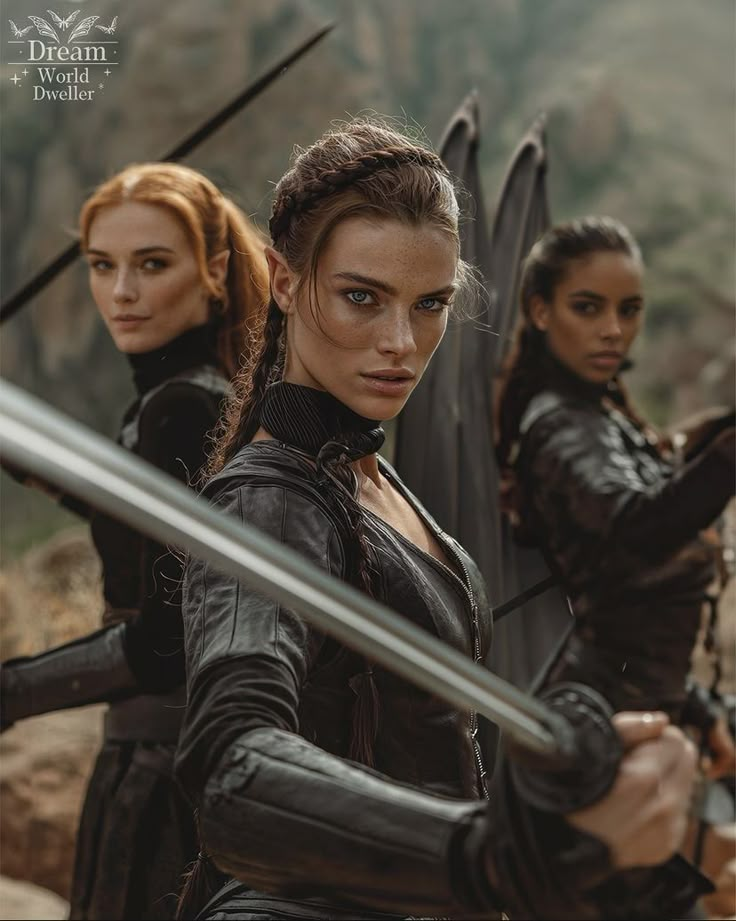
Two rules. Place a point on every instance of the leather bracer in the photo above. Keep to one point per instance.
(286, 817)
(90, 670)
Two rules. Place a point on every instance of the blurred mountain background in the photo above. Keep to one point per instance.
(640, 100)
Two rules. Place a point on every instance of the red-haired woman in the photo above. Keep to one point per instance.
(178, 274)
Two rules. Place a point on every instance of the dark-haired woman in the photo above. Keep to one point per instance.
(177, 272)
(327, 787)
(618, 515)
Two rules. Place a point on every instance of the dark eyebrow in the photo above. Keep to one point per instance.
(383, 286)
(592, 296)
(366, 280)
(144, 250)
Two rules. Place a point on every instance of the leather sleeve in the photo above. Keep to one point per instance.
(583, 486)
(173, 436)
(289, 818)
(89, 670)
(174, 428)
(145, 654)
(247, 657)
(275, 810)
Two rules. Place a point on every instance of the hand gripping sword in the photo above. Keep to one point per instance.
(566, 752)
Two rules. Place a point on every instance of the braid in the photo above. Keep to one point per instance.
(287, 204)
(521, 378)
(263, 364)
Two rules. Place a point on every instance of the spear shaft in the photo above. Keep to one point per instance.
(57, 265)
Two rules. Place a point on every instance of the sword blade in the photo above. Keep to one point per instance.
(63, 452)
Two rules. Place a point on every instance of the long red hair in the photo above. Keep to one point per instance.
(212, 223)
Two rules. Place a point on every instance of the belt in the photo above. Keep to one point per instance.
(147, 717)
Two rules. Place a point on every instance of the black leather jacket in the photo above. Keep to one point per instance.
(271, 709)
(620, 524)
(135, 662)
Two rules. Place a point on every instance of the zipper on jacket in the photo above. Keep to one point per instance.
(480, 766)
(446, 542)
(443, 539)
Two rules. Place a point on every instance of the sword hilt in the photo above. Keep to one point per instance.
(589, 752)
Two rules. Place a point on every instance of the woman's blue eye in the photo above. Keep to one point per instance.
(154, 263)
(100, 265)
(432, 303)
(359, 297)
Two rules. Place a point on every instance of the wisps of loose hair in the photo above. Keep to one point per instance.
(524, 373)
(212, 223)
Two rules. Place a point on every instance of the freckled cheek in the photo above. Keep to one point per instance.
(345, 330)
(428, 340)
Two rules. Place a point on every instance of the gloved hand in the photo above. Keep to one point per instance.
(697, 432)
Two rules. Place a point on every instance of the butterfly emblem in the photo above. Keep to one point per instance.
(44, 28)
(83, 28)
(63, 24)
(18, 33)
(108, 30)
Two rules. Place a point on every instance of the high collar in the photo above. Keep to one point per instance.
(316, 422)
(558, 376)
(194, 347)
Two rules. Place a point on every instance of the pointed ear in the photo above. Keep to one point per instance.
(539, 312)
(218, 268)
(283, 280)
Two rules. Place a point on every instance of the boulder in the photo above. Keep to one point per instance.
(47, 597)
(22, 900)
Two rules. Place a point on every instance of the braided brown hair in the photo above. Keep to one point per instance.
(365, 166)
(294, 201)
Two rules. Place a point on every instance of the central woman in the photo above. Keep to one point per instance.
(285, 724)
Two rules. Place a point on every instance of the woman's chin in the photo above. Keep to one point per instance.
(382, 409)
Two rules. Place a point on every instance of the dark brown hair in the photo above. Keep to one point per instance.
(362, 167)
(524, 372)
(212, 223)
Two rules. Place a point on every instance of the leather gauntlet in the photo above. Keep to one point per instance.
(86, 671)
(291, 819)
(700, 710)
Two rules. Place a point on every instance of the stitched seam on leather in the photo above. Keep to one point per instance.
(282, 538)
(437, 844)
(200, 615)
(451, 804)
(236, 606)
